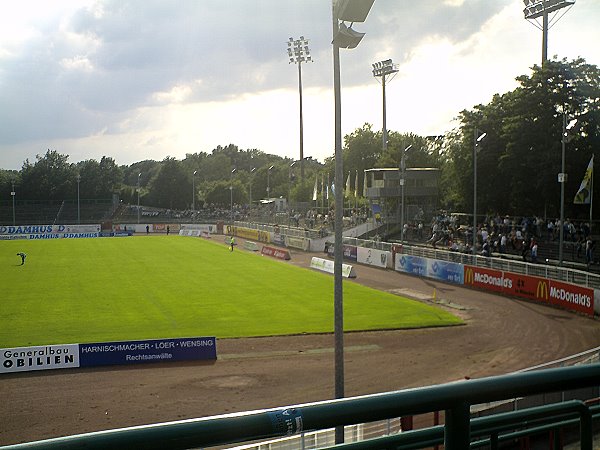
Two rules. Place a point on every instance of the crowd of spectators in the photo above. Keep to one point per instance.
(505, 235)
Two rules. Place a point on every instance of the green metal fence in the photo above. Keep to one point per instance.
(459, 431)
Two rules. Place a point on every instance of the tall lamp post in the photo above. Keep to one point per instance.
(231, 194)
(477, 138)
(138, 192)
(382, 69)
(269, 182)
(251, 177)
(194, 191)
(290, 174)
(298, 53)
(343, 37)
(562, 179)
(13, 193)
(402, 181)
(534, 9)
(78, 210)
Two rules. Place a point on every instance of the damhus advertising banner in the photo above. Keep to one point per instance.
(49, 231)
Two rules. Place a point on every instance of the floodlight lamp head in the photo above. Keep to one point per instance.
(481, 137)
(271, 168)
(408, 148)
(346, 37)
(195, 172)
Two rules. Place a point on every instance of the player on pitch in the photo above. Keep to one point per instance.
(23, 256)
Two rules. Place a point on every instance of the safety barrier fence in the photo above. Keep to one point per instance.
(458, 432)
(565, 274)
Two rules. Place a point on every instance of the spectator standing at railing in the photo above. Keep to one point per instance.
(534, 251)
(589, 251)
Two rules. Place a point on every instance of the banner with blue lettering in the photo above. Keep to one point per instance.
(156, 350)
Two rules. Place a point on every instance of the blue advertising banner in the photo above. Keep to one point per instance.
(446, 271)
(156, 350)
(431, 268)
(411, 264)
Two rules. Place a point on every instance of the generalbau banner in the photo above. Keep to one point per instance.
(68, 356)
(564, 295)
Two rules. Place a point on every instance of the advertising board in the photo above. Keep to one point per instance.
(155, 350)
(68, 356)
(25, 359)
(276, 252)
(326, 265)
(431, 268)
(373, 257)
(544, 290)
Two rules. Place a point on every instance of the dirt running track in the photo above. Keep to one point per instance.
(500, 335)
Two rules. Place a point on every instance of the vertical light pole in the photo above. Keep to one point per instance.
(231, 194)
(477, 138)
(298, 53)
(290, 190)
(138, 192)
(194, 191)
(251, 178)
(562, 179)
(13, 194)
(343, 37)
(381, 69)
(269, 182)
(78, 210)
(402, 181)
(534, 9)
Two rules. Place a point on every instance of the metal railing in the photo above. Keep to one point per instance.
(565, 274)
(454, 398)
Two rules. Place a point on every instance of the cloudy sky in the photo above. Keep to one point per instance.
(147, 79)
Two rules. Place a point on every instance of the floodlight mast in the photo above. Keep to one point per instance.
(382, 69)
(534, 9)
(298, 52)
(343, 37)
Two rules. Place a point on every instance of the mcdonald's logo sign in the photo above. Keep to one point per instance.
(469, 276)
(542, 290)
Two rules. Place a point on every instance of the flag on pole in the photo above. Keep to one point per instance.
(584, 194)
(356, 185)
(347, 185)
(327, 197)
(365, 184)
(316, 188)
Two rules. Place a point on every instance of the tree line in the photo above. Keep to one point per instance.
(517, 163)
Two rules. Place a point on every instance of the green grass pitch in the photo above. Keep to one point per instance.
(146, 287)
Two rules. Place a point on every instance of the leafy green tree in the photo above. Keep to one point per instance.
(170, 188)
(51, 177)
(519, 159)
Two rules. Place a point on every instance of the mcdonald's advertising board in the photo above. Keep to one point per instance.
(486, 279)
(565, 295)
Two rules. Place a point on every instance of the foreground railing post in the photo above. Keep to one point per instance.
(457, 431)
